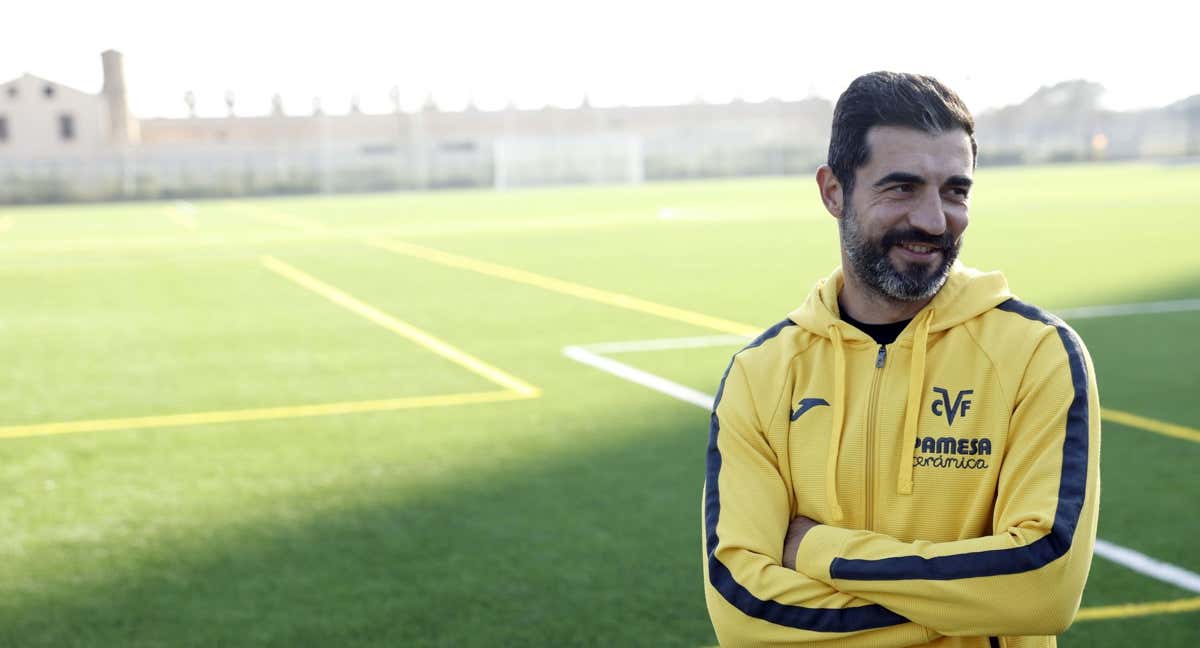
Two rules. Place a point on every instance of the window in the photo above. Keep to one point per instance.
(48, 90)
(3, 128)
(66, 127)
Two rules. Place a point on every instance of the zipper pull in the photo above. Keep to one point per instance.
(881, 358)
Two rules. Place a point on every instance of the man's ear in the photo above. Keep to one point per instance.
(831, 191)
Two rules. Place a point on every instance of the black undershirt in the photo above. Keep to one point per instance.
(881, 333)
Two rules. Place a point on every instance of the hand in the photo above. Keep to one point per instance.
(795, 533)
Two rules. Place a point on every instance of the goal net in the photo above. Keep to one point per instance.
(611, 158)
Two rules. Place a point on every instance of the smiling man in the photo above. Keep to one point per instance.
(912, 457)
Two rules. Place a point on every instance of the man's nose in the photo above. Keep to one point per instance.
(928, 214)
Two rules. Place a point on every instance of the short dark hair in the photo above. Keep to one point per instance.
(891, 99)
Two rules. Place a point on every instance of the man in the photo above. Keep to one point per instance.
(911, 458)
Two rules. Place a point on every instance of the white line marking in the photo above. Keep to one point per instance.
(1115, 310)
(6, 223)
(1138, 562)
(1082, 312)
(1143, 564)
(663, 344)
(645, 379)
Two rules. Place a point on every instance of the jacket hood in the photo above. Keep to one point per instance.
(966, 294)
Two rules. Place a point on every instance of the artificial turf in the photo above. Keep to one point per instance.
(567, 519)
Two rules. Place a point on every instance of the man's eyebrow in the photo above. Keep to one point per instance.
(959, 181)
(900, 177)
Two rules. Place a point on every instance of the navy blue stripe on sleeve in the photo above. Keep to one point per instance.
(1072, 487)
(794, 616)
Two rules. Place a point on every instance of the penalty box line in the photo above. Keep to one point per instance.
(403, 329)
(573, 289)
(259, 414)
(669, 343)
(514, 388)
(1128, 558)
(628, 302)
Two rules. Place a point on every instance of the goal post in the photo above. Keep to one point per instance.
(531, 161)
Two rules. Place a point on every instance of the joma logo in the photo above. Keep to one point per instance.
(959, 408)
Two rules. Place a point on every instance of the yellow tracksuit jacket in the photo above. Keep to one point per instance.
(955, 473)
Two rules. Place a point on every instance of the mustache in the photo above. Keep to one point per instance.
(911, 235)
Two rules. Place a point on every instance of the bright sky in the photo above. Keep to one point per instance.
(618, 52)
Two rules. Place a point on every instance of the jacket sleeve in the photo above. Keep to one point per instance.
(1027, 578)
(752, 599)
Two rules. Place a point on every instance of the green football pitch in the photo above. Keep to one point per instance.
(351, 420)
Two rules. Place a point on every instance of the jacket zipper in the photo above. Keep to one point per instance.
(880, 361)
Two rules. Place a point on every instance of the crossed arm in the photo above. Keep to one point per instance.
(772, 578)
(797, 529)
(753, 600)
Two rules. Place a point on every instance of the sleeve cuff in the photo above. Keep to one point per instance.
(817, 550)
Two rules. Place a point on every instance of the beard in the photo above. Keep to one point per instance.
(872, 265)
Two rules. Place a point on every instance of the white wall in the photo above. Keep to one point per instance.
(33, 120)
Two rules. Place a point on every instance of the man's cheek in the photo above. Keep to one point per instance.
(957, 219)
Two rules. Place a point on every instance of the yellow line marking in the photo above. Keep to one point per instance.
(260, 414)
(1138, 609)
(1151, 425)
(568, 288)
(515, 388)
(691, 317)
(404, 329)
(276, 217)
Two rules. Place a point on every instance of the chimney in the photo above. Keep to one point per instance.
(123, 128)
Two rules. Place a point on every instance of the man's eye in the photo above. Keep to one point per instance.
(904, 188)
(961, 192)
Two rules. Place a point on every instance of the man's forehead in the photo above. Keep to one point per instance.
(932, 155)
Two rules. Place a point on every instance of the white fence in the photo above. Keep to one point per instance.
(613, 158)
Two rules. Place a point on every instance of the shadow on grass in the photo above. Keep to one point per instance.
(600, 547)
(597, 548)
(1184, 287)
